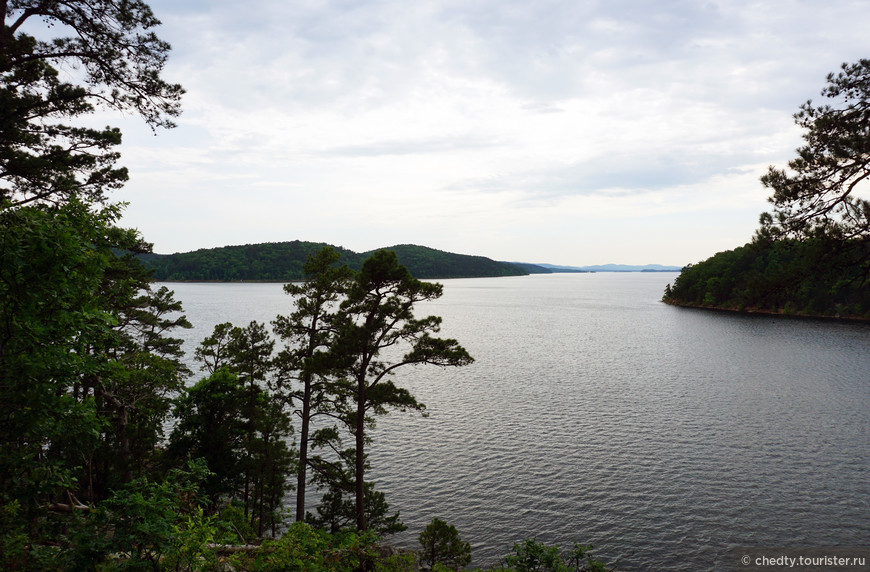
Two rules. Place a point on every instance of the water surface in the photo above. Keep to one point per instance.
(594, 413)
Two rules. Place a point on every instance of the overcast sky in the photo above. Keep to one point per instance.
(571, 132)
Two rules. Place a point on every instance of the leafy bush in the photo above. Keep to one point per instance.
(441, 544)
(192, 546)
(145, 525)
(533, 556)
(300, 548)
(305, 548)
(13, 536)
(233, 527)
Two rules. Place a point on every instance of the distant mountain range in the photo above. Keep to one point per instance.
(282, 261)
(612, 268)
(544, 268)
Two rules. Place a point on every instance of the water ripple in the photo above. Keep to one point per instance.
(663, 436)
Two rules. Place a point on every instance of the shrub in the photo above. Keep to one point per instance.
(533, 556)
(441, 544)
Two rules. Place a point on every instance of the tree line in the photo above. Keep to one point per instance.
(284, 261)
(810, 277)
(811, 255)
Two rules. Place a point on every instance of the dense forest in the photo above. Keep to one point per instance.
(283, 261)
(810, 277)
(811, 255)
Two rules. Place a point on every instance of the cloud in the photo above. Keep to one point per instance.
(494, 113)
(431, 146)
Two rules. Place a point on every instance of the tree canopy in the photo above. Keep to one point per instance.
(116, 59)
(308, 334)
(441, 544)
(824, 190)
(813, 277)
(88, 364)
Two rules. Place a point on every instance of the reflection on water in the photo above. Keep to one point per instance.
(596, 414)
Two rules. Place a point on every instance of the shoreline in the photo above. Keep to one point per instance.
(778, 313)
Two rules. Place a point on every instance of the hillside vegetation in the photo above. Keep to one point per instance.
(810, 277)
(283, 261)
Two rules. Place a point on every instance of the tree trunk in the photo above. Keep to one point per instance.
(248, 457)
(303, 450)
(261, 504)
(122, 420)
(360, 454)
(126, 455)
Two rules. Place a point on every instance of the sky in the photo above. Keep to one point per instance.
(570, 132)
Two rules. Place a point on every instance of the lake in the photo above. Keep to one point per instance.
(594, 413)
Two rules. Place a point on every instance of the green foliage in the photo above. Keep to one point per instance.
(305, 548)
(138, 522)
(246, 352)
(581, 559)
(213, 351)
(819, 277)
(143, 524)
(533, 556)
(272, 461)
(811, 256)
(192, 544)
(241, 428)
(249, 352)
(337, 512)
(820, 194)
(50, 310)
(441, 544)
(285, 261)
(233, 527)
(302, 548)
(402, 562)
(120, 59)
(331, 365)
(13, 537)
(245, 444)
(267, 262)
(425, 263)
(87, 365)
(210, 426)
(140, 371)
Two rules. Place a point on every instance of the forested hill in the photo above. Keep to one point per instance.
(282, 261)
(811, 278)
(424, 262)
